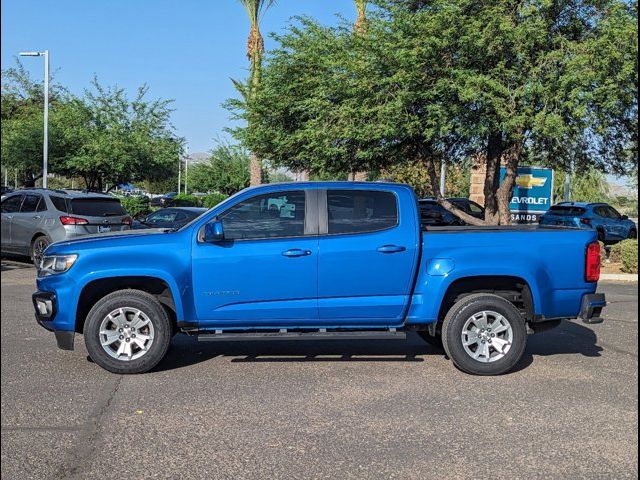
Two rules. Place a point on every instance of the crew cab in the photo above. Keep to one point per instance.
(319, 260)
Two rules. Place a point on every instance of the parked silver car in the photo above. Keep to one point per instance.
(34, 218)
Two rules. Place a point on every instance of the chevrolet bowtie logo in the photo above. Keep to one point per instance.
(529, 181)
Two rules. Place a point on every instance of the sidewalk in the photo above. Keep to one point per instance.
(619, 277)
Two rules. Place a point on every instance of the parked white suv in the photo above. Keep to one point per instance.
(34, 218)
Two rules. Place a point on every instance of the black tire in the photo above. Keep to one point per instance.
(38, 246)
(148, 305)
(601, 235)
(633, 234)
(454, 323)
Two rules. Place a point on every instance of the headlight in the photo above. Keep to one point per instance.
(54, 264)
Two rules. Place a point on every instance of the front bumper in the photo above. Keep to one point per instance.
(46, 308)
(591, 308)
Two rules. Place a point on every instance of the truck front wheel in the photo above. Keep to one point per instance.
(484, 334)
(127, 331)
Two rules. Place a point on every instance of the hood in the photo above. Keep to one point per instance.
(110, 239)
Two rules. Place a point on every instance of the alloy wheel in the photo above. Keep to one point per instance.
(487, 336)
(126, 333)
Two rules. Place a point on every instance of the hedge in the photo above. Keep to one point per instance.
(213, 199)
(136, 206)
(184, 200)
(628, 255)
(604, 255)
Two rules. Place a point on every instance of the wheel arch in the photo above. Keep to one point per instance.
(513, 288)
(96, 289)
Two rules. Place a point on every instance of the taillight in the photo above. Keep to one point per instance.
(73, 221)
(592, 265)
(585, 221)
(127, 221)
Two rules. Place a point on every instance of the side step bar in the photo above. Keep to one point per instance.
(318, 335)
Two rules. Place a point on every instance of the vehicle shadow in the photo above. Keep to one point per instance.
(568, 338)
(14, 263)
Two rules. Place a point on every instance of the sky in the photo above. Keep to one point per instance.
(186, 50)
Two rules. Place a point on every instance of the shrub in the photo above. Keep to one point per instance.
(213, 199)
(604, 254)
(136, 206)
(629, 256)
(616, 253)
(184, 200)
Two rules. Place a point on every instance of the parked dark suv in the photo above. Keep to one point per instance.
(34, 218)
(432, 214)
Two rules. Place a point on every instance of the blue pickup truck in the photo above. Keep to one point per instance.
(321, 260)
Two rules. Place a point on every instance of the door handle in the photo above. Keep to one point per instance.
(37, 217)
(296, 252)
(391, 249)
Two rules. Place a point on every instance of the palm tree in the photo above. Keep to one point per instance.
(255, 51)
(360, 26)
(361, 19)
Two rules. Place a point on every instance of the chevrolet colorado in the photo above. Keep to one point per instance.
(318, 260)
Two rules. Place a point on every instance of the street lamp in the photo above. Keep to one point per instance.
(45, 143)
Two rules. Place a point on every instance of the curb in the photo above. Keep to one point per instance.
(619, 277)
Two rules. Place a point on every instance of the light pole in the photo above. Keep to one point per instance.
(186, 171)
(45, 143)
(179, 175)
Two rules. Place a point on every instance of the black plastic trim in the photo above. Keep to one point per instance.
(54, 306)
(311, 225)
(323, 212)
(65, 339)
(591, 309)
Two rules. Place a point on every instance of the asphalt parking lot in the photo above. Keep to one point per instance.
(375, 409)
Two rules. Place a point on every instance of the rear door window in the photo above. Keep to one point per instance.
(60, 203)
(30, 203)
(600, 211)
(12, 204)
(612, 213)
(96, 207)
(361, 211)
(462, 205)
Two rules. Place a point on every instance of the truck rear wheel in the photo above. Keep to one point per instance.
(127, 331)
(484, 334)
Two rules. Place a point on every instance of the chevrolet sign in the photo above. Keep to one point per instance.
(529, 181)
(532, 193)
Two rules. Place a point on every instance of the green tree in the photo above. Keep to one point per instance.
(103, 136)
(587, 186)
(22, 123)
(451, 79)
(113, 139)
(255, 52)
(458, 178)
(227, 171)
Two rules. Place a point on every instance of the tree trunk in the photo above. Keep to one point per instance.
(435, 186)
(255, 171)
(511, 158)
(360, 176)
(492, 179)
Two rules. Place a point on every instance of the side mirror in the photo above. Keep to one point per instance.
(625, 217)
(213, 232)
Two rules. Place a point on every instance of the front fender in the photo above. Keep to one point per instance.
(163, 275)
(69, 288)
